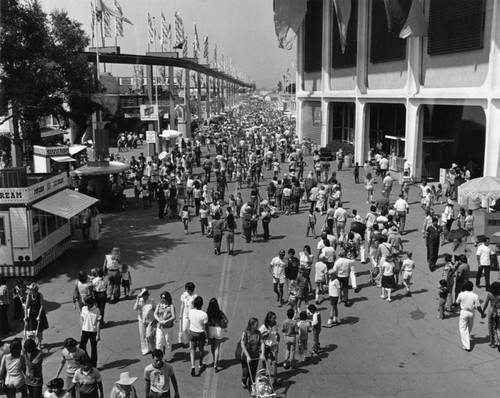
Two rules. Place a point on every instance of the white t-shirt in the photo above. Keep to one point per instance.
(400, 205)
(188, 302)
(278, 268)
(329, 252)
(320, 268)
(333, 288)
(197, 320)
(468, 301)
(484, 253)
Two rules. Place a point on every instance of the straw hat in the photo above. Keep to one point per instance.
(125, 379)
(143, 292)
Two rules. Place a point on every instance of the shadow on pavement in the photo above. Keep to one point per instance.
(119, 364)
(112, 324)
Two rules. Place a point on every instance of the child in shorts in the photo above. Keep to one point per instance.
(185, 217)
(407, 271)
(443, 295)
(313, 311)
(126, 279)
(290, 331)
(333, 293)
(304, 328)
(293, 296)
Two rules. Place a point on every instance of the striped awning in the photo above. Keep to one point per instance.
(66, 203)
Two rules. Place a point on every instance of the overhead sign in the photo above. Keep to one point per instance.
(33, 192)
(151, 136)
(50, 151)
(149, 113)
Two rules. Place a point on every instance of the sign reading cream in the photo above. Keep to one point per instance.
(49, 151)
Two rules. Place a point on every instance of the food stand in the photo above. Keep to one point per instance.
(34, 220)
(483, 190)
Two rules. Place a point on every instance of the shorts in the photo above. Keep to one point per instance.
(196, 337)
(344, 281)
(407, 275)
(334, 300)
(215, 332)
(280, 281)
(126, 284)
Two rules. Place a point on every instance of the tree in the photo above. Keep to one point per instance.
(43, 69)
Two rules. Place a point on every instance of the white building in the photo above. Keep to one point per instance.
(434, 100)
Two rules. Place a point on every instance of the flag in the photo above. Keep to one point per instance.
(288, 16)
(169, 36)
(343, 11)
(415, 25)
(185, 48)
(118, 21)
(179, 31)
(164, 31)
(163, 76)
(205, 48)
(92, 20)
(151, 30)
(215, 56)
(397, 13)
(196, 44)
(178, 76)
(107, 24)
(222, 62)
(102, 8)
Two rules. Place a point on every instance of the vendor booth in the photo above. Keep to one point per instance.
(480, 192)
(34, 220)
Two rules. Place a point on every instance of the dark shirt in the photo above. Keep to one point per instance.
(292, 268)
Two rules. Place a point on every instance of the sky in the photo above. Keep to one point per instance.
(242, 30)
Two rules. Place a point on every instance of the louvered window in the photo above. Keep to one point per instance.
(455, 26)
(313, 36)
(384, 46)
(348, 58)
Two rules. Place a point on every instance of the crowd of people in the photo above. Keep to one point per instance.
(260, 152)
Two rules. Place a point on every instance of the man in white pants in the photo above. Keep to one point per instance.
(468, 302)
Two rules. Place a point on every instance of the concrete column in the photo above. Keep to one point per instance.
(324, 122)
(414, 138)
(207, 100)
(362, 50)
(217, 95)
(149, 82)
(327, 45)
(361, 132)
(171, 103)
(492, 151)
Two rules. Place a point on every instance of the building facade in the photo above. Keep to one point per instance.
(433, 100)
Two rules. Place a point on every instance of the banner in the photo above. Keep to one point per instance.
(151, 30)
(118, 21)
(343, 11)
(288, 16)
(205, 48)
(179, 31)
(196, 44)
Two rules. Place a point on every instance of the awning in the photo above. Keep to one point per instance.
(51, 131)
(62, 159)
(65, 203)
(73, 150)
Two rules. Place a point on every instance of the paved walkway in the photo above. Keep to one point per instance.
(381, 349)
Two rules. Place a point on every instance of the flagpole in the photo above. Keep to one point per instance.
(156, 66)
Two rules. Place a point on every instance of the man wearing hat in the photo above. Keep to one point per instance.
(123, 388)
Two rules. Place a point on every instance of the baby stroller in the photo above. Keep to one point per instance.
(262, 386)
(374, 274)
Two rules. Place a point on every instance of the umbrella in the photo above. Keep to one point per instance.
(170, 134)
(162, 155)
(479, 188)
(455, 234)
(112, 168)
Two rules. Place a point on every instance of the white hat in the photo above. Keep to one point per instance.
(358, 218)
(125, 379)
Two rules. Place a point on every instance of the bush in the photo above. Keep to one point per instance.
(335, 145)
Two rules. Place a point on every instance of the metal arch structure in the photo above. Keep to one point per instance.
(151, 60)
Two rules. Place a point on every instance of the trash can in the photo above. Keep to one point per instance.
(348, 161)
